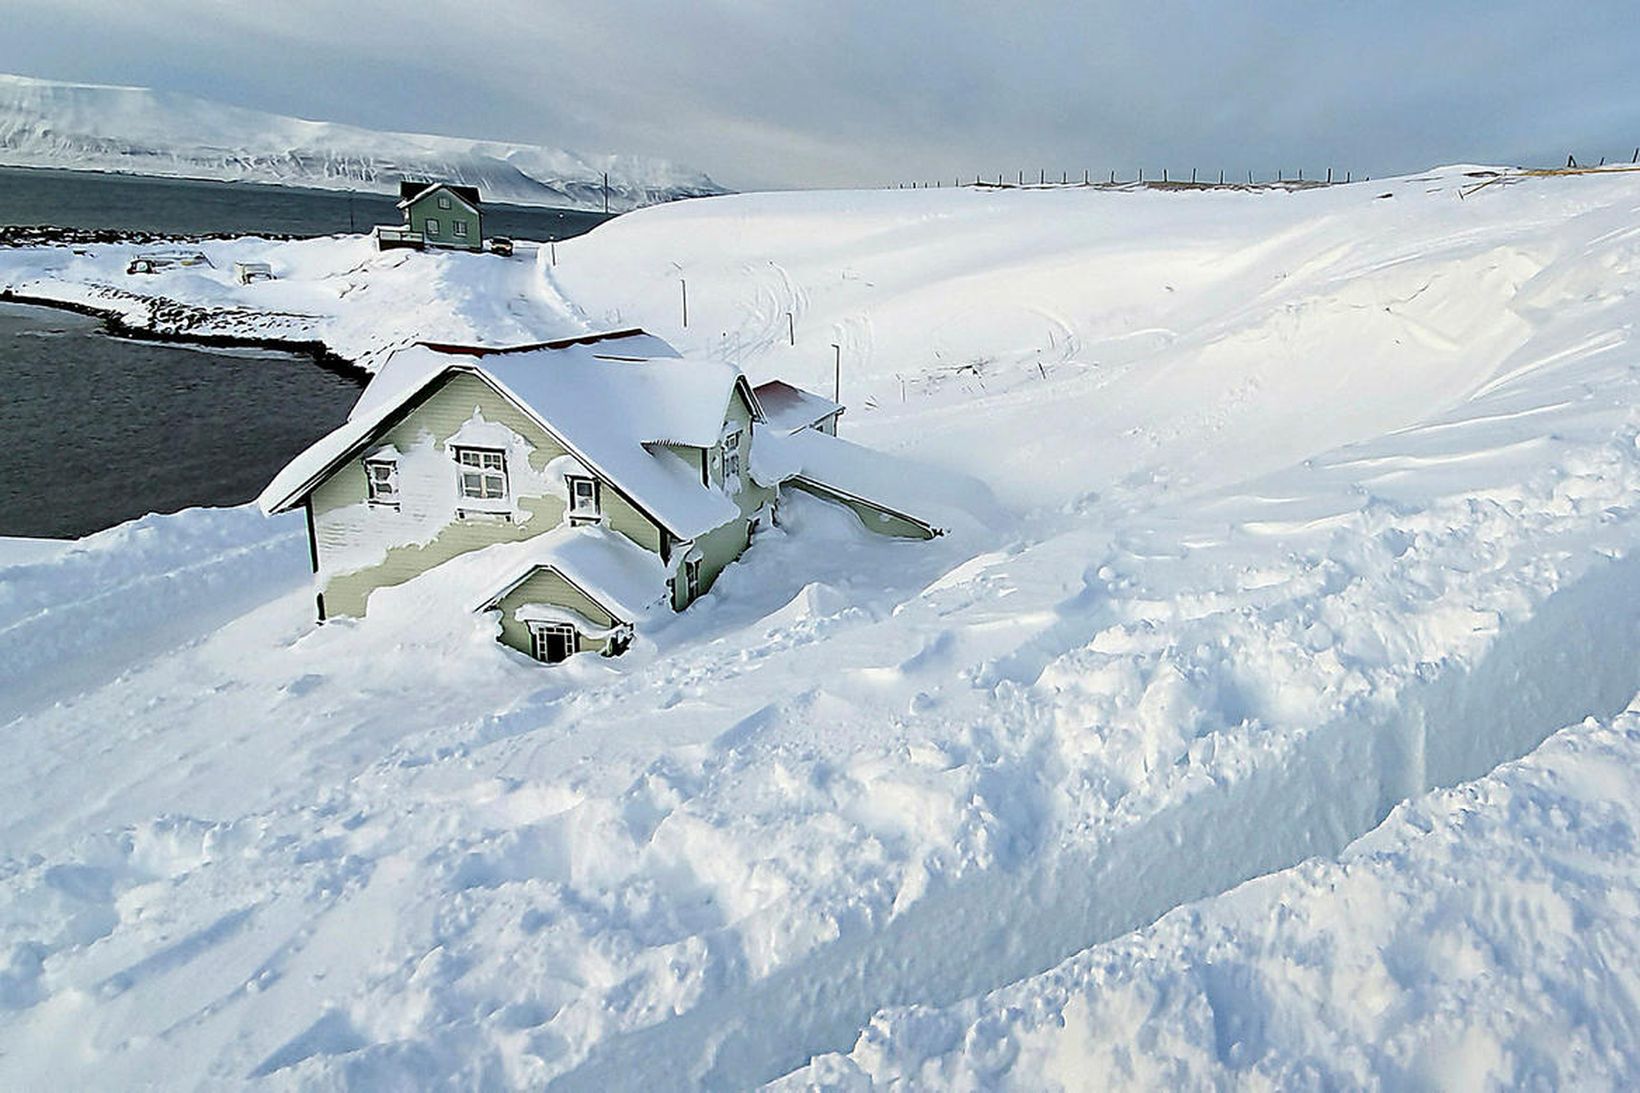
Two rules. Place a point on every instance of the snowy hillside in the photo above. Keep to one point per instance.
(1314, 559)
(95, 128)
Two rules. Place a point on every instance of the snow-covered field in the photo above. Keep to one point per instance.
(1308, 504)
(138, 130)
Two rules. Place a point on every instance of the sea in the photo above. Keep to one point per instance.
(103, 429)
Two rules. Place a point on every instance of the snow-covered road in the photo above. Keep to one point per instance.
(1308, 502)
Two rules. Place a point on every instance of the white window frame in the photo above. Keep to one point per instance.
(539, 632)
(731, 456)
(382, 489)
(576, 512)
(430, 226)
(444, 201)
(459, 227)
(481, 475)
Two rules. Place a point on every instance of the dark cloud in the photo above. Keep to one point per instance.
(849, 92)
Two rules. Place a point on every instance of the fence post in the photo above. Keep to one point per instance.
(791, 328)
(1192, 176)
(684, 286)
(1329, 176)
(837, 373)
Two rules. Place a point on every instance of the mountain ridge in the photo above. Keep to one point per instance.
(134, 130)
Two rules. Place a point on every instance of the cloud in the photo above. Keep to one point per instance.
(848, 92)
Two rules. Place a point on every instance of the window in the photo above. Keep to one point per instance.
(691, 577)
(459, 227)
(444, 201)
(483, 473)
(553, 642)
(583, 498)
(731, 457)
(381, 477)
(432, 226)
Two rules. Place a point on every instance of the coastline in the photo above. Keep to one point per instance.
(117, 326)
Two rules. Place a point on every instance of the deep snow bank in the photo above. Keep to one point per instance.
(339, 292)
(1481, 938)
(89, 127)
(1315, 500)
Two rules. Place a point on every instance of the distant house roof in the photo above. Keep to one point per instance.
(789, 408)
(613, 402)
(410, 192)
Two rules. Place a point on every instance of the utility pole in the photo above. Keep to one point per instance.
(837, 373)
(791, 329)
(606, 200)
(684, 286)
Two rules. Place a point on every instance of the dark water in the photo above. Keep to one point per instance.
(101, 429)
(84, 199)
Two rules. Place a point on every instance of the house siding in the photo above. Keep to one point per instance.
(394, 546)
(727, 542)
(427, 207)
(546, 586)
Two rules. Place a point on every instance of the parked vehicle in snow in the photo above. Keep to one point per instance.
(247, 272)
(159, 261)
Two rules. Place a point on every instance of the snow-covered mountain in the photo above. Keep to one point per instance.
(90, 127)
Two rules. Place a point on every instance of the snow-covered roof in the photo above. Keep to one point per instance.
(467, 195)
(789, 408)
(624, 578)
(843, 468)
(613, 402)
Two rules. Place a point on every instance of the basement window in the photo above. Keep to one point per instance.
(483, 473)
(381, 478)
(553, 642)
(583, 498)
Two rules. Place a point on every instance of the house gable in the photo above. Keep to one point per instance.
(458, 225)
(363, 545)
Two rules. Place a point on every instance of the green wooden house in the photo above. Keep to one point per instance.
(604, 477)
(436, 214)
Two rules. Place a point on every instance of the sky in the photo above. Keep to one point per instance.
(807, 93)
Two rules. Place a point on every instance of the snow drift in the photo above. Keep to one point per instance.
(1311, 504)
(95, 128)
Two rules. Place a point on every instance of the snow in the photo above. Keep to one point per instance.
(132, 129)
(609, 412)
(894, 484)
(1240, 741)
(789, 408)
(622, 576)
(1479, 939)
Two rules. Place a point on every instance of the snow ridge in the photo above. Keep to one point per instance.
(44, 123)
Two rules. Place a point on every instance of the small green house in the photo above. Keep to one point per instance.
(437, 214)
